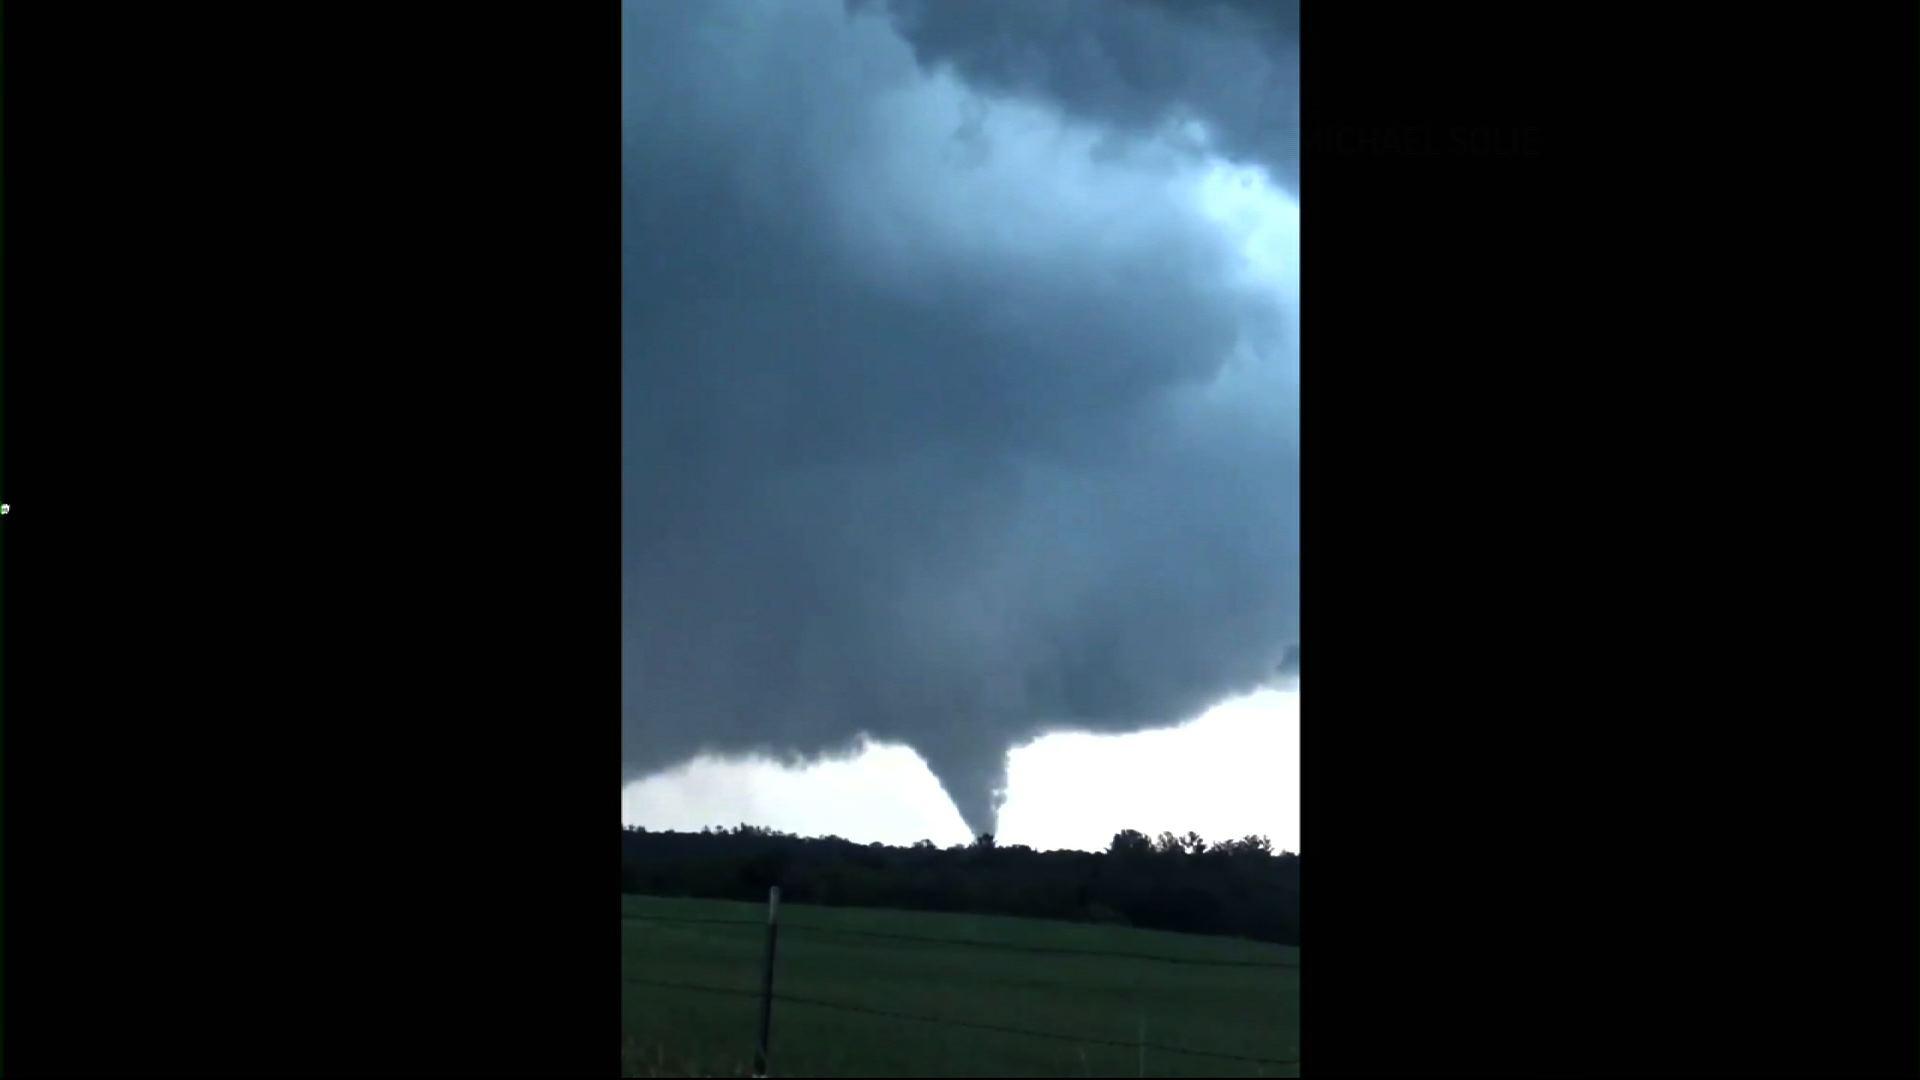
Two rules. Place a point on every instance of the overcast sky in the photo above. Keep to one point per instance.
(961, 413)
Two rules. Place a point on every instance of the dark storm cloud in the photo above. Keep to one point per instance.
(1136, 64)
(946, 421)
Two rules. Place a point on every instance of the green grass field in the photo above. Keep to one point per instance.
(674, 1030)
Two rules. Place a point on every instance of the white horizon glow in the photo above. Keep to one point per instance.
(1232, 771)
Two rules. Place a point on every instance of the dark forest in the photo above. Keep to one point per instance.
(1240, 888)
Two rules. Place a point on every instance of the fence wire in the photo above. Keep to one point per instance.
(1084, 1040)
(998, 945)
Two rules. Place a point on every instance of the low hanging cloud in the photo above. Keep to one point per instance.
(1233, 65)
(956, 409)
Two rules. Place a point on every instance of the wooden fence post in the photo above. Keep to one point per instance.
(766, 983)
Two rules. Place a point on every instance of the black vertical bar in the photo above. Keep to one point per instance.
(766, 982)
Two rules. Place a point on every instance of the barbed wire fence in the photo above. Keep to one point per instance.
(964, 943)
(767, 995)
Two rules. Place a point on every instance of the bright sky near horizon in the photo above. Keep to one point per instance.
(1233, 771)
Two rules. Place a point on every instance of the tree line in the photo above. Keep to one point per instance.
(1238, 887)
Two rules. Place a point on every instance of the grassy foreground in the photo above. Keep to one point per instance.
(669, 1028)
